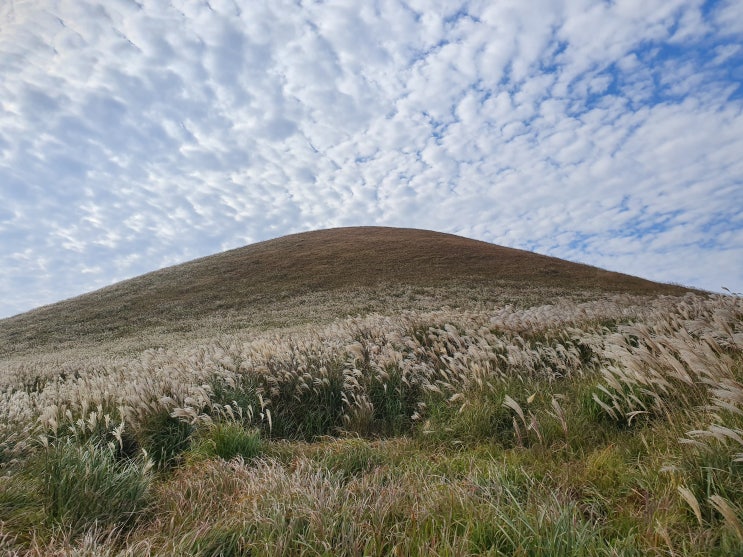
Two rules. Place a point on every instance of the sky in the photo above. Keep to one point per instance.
(136, 135)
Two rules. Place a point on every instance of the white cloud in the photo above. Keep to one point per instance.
(134, 135)
(728, 16)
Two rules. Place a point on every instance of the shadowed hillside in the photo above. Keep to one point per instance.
(255, 283)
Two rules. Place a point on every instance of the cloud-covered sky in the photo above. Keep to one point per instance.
(140, 134)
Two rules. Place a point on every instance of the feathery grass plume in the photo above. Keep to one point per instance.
(666, 365)
(691, 500)
(529, 423)
(731, 515)
(559, 415)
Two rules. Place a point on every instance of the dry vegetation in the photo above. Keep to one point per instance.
(310, 278)
(597, 424)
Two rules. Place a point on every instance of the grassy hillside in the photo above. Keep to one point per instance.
(451, 399)
(272, 283)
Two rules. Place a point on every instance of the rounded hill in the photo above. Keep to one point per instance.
(253, 283)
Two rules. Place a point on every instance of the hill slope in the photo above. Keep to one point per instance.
(256, 281)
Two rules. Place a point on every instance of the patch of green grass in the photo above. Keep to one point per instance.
(394, 400)
(86, 485)
(164, 437)
(554, 528)
(309, 406)
(352, 457)
(241, 395)
(228, 440)
(473, 421)
(21, 507)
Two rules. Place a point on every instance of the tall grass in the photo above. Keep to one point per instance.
(607, 427)
(87, 484)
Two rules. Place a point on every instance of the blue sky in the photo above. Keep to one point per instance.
(136, 135)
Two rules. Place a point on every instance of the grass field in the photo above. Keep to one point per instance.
(467, 405)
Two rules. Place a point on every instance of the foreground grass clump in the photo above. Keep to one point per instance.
(406, 508)
(607, 427)
(228, 440)
(89, 484)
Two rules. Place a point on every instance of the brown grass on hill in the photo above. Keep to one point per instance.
(357, 265)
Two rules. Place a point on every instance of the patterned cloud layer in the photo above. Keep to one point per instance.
(135, 135)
